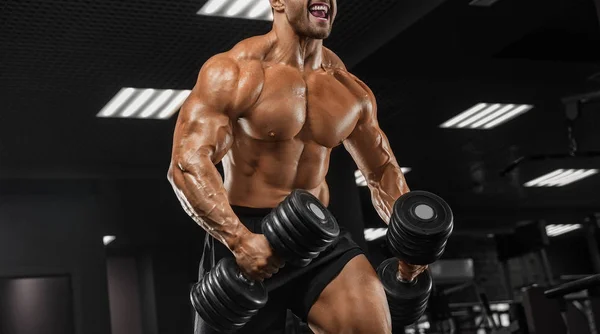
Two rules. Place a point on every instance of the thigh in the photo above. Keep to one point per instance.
(354, 302)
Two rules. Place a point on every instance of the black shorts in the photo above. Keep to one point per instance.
(293, 288)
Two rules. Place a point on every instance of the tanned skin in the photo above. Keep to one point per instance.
(271, 109)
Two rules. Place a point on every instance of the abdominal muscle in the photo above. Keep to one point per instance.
(260, 174)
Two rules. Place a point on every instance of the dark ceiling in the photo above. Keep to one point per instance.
(426, 61)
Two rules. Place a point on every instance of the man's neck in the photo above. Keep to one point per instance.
(298, 51)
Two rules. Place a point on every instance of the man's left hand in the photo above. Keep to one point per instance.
(408, 272)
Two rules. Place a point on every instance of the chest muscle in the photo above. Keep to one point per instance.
(314, 107)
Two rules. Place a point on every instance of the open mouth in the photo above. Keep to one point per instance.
(319, 10)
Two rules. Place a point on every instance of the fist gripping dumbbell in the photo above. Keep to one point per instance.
(298, 229)
(419, 228)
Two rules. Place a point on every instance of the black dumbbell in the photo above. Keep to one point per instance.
(298, 229)
(419, 228)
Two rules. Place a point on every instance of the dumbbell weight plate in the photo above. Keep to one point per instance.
(418, 245)
(232, 305)
(415, 247)
(275, 241)
(406, 316)
(208, 314)
(313, 213)
(412, 212)
(409, 256)
(216, 312)
(418, 236)
(417, 290)
(300, 231)
(402, 313)
(431, 241)
(281, 249)
(214, 297)
(412, 252)
(250, 296)
(295, 246)
(406, 255)
(197, 302)
(401, 296)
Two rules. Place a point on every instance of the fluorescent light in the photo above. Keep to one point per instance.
(561, 177)
(174, 104)
(137, 103)
(479, 115)
(580, 174)
(213, 6)
(157, 103)
(260, 9)
(246, 9)
(514, 113)
(494, 115)
(362, 182)
(360, 179)
(107, 239)
(486, 116)
(374, 233)
(555, 230)
(144, 103)
(116, 102)
(450, 123)
(237, 7)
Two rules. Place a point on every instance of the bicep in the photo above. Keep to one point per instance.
(204, 125)
(367, 144)
(202, 131)
(369, 147)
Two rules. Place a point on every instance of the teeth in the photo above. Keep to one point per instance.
(320, 7)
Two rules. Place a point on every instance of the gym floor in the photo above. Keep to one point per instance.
(494, 105)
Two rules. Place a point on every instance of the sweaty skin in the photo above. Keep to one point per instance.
(271, 109)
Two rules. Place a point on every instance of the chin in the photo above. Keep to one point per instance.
(321, 35)
(318, 34)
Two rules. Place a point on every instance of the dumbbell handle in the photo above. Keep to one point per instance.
(402, 280)
(245, 279)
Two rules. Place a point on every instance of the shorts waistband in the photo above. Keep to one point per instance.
(251, 212)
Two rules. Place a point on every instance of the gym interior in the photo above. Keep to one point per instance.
(493, 105)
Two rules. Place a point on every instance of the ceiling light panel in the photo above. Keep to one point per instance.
(561, 177)
(144, 103)
(556, 230)
(107, 239)
(374, 233)
(362, 182)
(486, 116)
(244, 9)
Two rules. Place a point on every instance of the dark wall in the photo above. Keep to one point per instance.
(173, 277)
(44, 231)
(124, 295)
(36, 305)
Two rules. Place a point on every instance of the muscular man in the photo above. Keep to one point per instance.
(271, 109)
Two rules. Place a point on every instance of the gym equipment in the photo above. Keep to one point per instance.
(298, 229)
(419, 228)
(551, 311)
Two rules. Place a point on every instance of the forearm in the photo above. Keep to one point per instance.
(202, 194)
(386, 185)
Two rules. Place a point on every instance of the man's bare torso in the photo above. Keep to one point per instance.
(284, 140)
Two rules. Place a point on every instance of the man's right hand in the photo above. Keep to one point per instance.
(255, 257)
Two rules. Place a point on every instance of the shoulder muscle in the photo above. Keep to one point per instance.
(229, 84)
